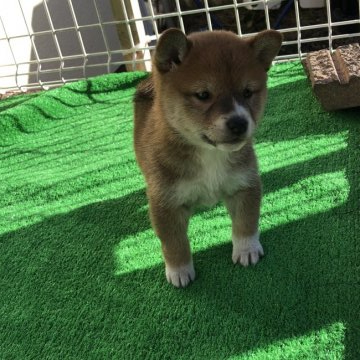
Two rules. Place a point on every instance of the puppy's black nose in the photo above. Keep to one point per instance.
(237, 125)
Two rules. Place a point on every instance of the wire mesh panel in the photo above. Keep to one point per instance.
(46, 43)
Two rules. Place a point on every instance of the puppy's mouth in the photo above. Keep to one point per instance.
(208, 140)
(232, 141)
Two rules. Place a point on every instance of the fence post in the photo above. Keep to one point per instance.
(131, 33)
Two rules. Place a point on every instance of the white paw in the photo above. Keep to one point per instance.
(247, 251)
(180, 276)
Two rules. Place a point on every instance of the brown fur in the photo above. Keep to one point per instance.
(186, 151)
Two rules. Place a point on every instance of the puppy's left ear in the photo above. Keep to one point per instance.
(266, 45)
(171, 50)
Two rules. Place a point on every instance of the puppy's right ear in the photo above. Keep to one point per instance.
(171, 50)
(266, 45)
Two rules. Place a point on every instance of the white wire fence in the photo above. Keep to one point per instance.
(46, 43)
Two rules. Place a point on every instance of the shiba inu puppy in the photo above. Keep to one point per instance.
(195, 117)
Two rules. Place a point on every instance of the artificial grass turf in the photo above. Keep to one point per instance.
(81, 270)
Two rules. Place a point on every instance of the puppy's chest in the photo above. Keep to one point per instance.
(215, 179)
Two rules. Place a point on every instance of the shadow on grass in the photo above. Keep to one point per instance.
(61, 299)
(60, 296)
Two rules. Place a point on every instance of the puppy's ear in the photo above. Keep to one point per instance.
(266, 45)
(171, 50)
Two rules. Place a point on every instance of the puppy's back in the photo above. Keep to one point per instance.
(145, 91)
(143, 101)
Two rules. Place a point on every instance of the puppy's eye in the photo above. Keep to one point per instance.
(247, 93)
(202, 95)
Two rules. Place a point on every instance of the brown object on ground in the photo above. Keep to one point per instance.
(12, 93)
(335, 77)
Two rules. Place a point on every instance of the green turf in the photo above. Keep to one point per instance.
(81, 270)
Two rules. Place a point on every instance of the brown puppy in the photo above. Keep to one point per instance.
(194, 122)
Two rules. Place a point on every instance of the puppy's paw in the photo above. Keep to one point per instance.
(180, 276)
(247, 251)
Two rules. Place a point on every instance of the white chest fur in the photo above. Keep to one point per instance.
(216, 178)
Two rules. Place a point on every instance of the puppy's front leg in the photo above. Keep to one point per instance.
(170, 225)
(244, 209)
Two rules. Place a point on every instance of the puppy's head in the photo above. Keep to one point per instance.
(212, 85)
